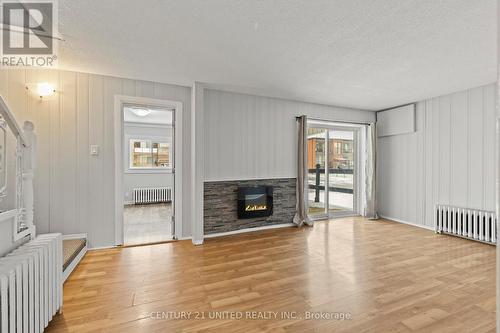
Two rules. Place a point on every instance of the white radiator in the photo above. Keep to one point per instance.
(31, 285)
(474, 224)
(152, 195)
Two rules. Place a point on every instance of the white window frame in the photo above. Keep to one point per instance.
(128, 154)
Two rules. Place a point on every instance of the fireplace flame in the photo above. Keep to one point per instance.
(251, 208)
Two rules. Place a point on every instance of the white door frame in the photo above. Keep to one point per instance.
(120, 100)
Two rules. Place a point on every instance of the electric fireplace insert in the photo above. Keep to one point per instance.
(255, 201)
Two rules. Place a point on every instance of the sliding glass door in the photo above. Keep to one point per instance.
(341, 171)
(316, 162)
(332, 170)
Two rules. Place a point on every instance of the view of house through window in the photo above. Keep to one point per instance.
(148, 154)
(331, 166)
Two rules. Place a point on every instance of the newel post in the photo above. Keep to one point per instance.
(28, 170)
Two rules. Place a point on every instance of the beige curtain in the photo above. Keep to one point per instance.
(301, 217)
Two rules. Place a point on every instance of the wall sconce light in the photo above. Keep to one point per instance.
(45, 89)
(42, 89)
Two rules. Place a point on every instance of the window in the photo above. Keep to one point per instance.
(337, 147)
(149, 154)
(320, 152)
(348, 147)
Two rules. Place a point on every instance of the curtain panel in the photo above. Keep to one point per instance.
(301, 217)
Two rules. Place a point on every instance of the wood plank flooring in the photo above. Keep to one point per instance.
(388, 277)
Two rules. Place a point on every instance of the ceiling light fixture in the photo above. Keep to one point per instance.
(141, 112)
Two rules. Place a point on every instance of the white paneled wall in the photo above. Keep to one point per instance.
(450, 159)
(253, 137)
(74, 192)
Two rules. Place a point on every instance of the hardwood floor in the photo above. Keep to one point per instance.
(389, 277)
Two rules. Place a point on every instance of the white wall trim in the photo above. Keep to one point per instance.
(146, 171)
(120, 100)
(407, 223)
(75, 236)
(147, 125)
(197, 161)
(102, 248)
(242, 231)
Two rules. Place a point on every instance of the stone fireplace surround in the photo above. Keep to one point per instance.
(220, 210)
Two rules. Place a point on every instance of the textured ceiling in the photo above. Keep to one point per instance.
(359, 53)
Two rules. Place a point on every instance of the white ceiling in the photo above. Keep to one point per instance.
(156, 116)
(368, 54)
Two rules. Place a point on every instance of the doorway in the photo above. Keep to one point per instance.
(122, 147)
(332, 163)
(148, 174)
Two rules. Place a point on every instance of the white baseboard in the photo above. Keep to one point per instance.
(128, 203)
(405, 222)
(228, 233)
(220, 234)
(102, 248)
(75, 236)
